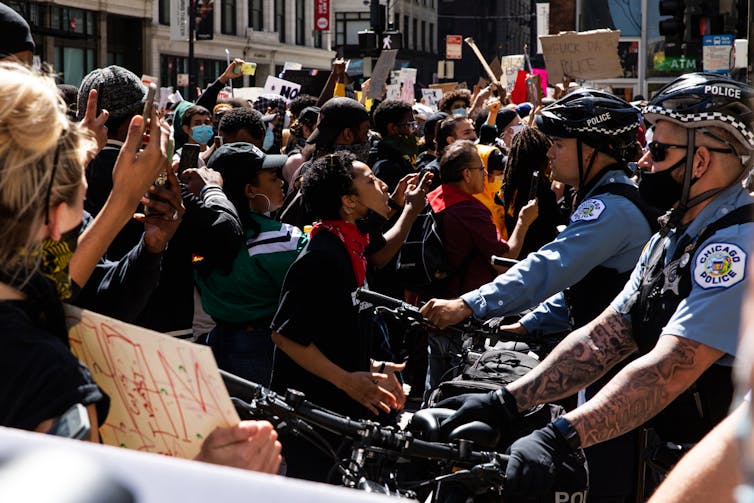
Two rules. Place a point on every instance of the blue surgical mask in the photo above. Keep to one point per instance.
(269, 139)
(202, 134)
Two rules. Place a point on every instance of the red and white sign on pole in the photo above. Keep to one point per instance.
(453, 46)
(322, 15)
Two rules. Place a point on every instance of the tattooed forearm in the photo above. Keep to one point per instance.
(642, 389)
(579, 360)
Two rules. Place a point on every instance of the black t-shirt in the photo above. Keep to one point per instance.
(317, 306)
(40, 376)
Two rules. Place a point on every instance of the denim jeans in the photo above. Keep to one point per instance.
(245, 353)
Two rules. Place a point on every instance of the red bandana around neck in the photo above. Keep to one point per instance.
(354, 241)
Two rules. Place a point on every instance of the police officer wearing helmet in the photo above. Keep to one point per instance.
(593, 136)
(680, 310)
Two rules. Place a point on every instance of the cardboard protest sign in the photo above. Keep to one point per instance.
(166, 394)
(445, 87)
(286, 89)
(510, 65)
(380, 73)
(584, 55)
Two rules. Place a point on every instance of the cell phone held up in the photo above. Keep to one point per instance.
(147, 111)
(74, 423)
(189, 158)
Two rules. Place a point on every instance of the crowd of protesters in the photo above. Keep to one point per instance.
(260, 246)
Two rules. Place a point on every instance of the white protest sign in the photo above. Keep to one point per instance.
(166, 394)
(249, 94)
(393, 92)
(432, 97)
(147, 477)
(290, 65)
(407, 74)
(587, 55)
(510, 66)
(288, 90)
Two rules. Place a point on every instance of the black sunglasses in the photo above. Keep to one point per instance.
(659, 150)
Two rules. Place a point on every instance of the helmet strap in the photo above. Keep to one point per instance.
(583, 173)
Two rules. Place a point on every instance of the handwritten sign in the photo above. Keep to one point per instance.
(432, 97)
(288, 90)
(584, 55)
(510, 66)
(166, 394)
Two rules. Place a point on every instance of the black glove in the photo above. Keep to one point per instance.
(537, 460)
(496, 408)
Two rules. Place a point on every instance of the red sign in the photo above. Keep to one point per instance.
(322, 15)
(453, 46)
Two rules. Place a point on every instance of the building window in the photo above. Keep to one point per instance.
(431, 37)
(164, 12)
(300, 22)
(318, 39)
(348, 25)
(424, 36)
(415, 33)
(256, 15)
(207, 71)
(228, 17)
(280, 19)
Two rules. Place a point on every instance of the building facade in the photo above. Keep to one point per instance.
(499, 28)
(415, 19)
(76, 36)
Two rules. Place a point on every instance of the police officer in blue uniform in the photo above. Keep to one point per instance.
(594, 134)
(679, 311)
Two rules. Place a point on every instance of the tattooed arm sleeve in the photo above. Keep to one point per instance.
(642, 389)
(579, 360)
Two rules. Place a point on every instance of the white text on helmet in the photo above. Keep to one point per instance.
(723, 91)
(564, 497)
(598, 119)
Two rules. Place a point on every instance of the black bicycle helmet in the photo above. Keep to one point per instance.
(599, 119)
(697, 100)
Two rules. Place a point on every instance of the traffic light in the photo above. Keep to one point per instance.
(672, 29)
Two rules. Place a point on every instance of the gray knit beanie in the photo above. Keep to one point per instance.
(119, 91)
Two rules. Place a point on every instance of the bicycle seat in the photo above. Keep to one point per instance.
(425, 424)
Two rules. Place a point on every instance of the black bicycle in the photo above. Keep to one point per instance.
(412, 463)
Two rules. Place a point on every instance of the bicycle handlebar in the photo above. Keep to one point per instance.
(294, 406)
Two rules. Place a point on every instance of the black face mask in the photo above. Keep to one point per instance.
(56, 257)
(659, 189)
(371, 223)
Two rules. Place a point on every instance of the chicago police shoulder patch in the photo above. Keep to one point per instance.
(719, 265)
(591, 209)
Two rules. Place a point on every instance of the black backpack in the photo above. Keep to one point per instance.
(421, 260)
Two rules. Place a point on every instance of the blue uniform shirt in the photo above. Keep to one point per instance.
(711, 314)
(606, 229)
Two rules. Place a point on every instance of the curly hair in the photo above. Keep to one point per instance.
(454, 95)
(528, 153)
(390, 112)
(327, 180)
(244, 118)
(300, 102)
